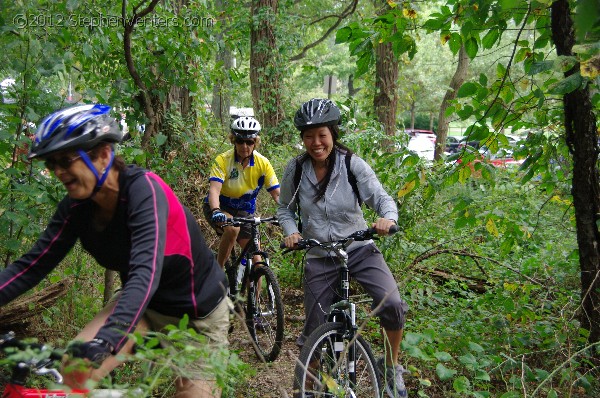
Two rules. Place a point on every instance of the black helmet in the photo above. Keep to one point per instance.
(316, 113)
(79, 127)
(245, 127)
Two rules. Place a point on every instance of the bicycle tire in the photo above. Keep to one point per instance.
(264, 314)
(331, 379)
(231, 271)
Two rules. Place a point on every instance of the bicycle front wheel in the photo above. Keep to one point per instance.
(325, 367)
(264, 315)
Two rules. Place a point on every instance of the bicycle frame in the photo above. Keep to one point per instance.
(335, 359)
(344, 311)
(22, 370)
(251, 249)
(17, 391)
(264, 309)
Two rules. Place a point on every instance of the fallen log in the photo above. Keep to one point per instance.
(20, 312)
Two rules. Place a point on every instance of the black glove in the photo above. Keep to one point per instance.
(96, 350)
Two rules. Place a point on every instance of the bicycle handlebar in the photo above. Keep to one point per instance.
(238, 221)
(361, 235)
(9, 340)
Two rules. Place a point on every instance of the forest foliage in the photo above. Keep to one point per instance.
(488, 257)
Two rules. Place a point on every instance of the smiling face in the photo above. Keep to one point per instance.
(72, 171)
(318, 142)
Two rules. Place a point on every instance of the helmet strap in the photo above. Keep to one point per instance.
(99, 178)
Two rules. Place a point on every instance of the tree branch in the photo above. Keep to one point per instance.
(348, 11)
(474, 257)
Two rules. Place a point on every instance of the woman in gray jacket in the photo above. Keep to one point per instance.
(328, 189)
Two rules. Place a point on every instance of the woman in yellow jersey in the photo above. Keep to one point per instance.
(236, 177)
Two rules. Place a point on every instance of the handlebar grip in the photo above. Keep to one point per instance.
(393, 229)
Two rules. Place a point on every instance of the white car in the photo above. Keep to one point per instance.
(422, 146)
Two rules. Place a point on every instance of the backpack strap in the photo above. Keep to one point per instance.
(297, 177)
(352, 178)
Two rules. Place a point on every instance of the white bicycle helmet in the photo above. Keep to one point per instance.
(245, 127)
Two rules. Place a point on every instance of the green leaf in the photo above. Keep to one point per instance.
(511, 394)
(471, 47)
(483, 79)
(586, 17)
(461, 384)
(475, 347)
(343, 34)
(463, 174)
(466, 90)
(509, 4)
(443, 372)
(363, 63)
(567, 85)
(468, 360)
(539, 67)
(454, 43)
(416, 352)
(552, 394)
(412, 338)
(482, 375)
(490, 38)
(161, 139)
(183, 323)
(442, 356)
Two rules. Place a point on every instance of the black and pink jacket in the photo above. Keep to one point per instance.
(153, 241)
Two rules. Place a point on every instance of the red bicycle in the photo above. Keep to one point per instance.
(33, 358)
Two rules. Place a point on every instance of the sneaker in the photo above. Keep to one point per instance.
(392, 379)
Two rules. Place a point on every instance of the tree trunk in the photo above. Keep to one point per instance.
(460, 74)
(386, 83)
(265, 64)
(351, 89)
(221, 100)
(582, 140)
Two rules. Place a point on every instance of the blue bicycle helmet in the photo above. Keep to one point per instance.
(77, 128)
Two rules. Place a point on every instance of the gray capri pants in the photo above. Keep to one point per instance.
(367, 267)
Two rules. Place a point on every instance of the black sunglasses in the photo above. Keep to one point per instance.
(241, 141)
(62, 162)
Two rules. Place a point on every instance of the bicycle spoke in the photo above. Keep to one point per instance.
(326, 369)
(265, 313)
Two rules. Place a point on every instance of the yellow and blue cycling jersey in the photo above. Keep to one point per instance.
(241, 185)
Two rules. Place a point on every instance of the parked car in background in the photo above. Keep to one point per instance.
(452, 143)
(422, 146)
(475, 144)
(422, 133)
(503, 158)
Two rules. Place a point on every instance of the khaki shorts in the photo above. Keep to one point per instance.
(214, 327)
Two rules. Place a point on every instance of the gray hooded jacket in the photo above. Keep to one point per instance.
(337, 214)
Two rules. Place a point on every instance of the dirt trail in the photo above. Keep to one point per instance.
(273, 380)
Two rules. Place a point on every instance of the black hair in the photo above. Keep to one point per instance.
(337, 146)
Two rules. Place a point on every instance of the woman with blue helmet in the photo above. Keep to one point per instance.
(130, 221)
